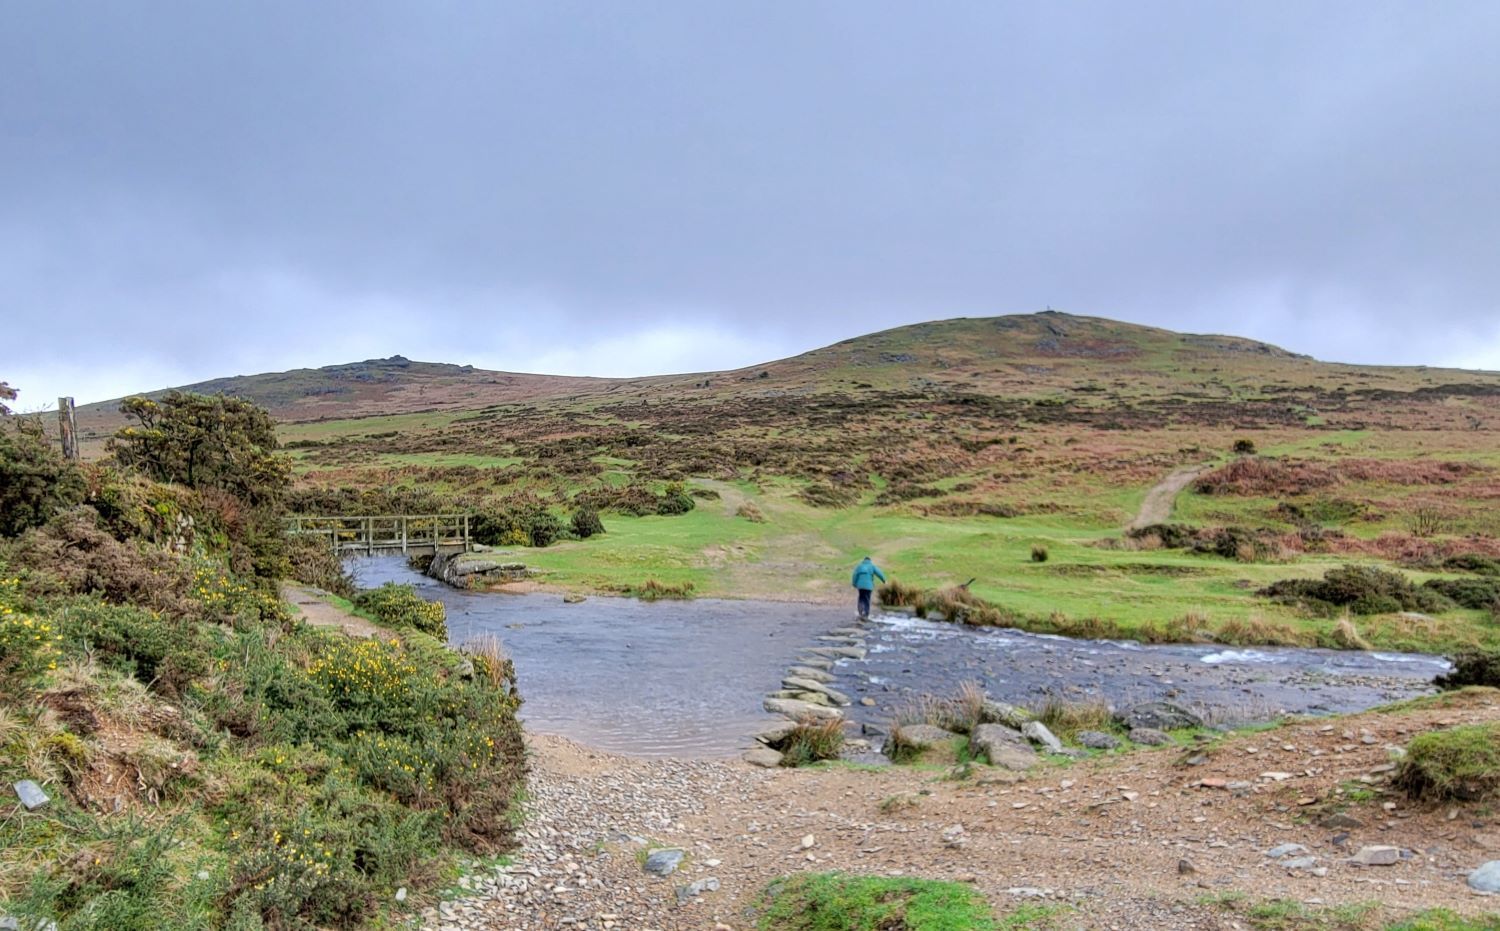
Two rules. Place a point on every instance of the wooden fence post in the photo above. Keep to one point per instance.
(67, 428)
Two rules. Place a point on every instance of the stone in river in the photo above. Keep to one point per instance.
(797, 710)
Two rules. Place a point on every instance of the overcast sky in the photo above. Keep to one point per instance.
(191, 189)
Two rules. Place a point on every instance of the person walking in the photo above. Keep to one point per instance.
(865, 575)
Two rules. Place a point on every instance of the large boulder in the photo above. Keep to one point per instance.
(465, 570)
(998, 712)
(1160, 716)
(798, 710)
(1003, 747)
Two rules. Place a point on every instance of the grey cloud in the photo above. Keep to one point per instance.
(284, 181)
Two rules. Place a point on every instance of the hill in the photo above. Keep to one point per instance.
(951, 450)
(1021, 354)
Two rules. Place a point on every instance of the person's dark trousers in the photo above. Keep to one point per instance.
(864, 602)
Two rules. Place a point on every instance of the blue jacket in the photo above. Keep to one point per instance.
(865, 575)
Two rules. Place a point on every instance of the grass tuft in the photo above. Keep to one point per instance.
(840, 902)
(1461, 763)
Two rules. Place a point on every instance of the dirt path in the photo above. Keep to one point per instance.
(1157, 508)
(315, 609)
(1131, 841)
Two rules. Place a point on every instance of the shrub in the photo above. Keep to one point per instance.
(586, 522)
(1470, 562)
(1474, 667)
(811, 741)
(1455, 763)
(314, 562)
(1244, 447)
(29, 646)
(1039, 553)
(675, 500)
(1480, 594)
(824, 495)
(36, 482)
(751, 511)
(1361, 589)
(400, 606)
(164, 652)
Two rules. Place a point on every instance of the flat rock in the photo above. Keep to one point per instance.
(31, 794)
(1159, 715)
(663, 862)
(1378, 855)
(810, 685)
(808, 672)
(1285, 850)
(797, 710)
(1037, 733)
(764, 757)
(773, 734)
(1149, 737)
(1299, 863)
(1342, 822)
(1486, 878)
(819, 663)
(1098, 740)
(572, 598)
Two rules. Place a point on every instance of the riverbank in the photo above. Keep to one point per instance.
(1137, 840)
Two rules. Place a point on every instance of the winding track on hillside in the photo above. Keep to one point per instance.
(1157, 508)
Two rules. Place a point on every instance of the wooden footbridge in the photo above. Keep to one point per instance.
(388, 533)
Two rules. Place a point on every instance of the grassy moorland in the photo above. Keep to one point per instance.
(953, 451)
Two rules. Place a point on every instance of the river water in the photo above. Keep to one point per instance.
(686, 678)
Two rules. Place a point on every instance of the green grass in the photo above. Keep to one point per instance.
(840, 902)
(1453, 763)
(1441, 919)
(805, 552)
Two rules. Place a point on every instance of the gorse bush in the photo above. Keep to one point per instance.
(586, 522)
(1473, 667)
(36, 482)
(399, 605)
(213, 762)
(1360, 589)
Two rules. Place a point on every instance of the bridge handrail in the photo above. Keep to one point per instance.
(371, 532)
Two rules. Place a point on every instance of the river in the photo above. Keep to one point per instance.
(686, 678)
